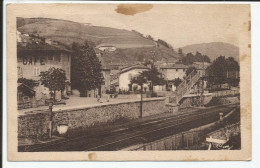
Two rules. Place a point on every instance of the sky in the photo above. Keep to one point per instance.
(178, 25)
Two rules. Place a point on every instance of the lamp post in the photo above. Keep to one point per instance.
(142, 80)
(50, 122)
(153, 58)
(202, 81)
(141, 102)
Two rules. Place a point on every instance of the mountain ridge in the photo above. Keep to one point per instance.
(213, 49)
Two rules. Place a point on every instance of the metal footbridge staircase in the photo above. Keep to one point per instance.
(185, 87)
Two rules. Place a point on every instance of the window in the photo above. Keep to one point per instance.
(57, 58)
(20, 72)
(50, 57)
(36, 71)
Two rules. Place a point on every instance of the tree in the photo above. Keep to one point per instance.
(150, 37)
(188, 59)
(189, 70)
(180, 52)
(54, 79)
(85, 68)
(154, 77)
(139, 79)
(177, 82)
(217, 72)
(164, 43)
(198, 57)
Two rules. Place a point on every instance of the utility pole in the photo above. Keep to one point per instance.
(153, 57)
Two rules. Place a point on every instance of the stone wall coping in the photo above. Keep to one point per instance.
(171, 104)
(57, 109)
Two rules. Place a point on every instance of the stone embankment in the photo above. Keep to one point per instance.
(36, 125)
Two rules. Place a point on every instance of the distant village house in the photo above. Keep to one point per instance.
(104, 47)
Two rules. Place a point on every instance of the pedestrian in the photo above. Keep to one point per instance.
(98, 98)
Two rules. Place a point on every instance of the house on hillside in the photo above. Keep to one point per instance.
(201, 67)
(128, 73)
(105, 47)
(34, 56)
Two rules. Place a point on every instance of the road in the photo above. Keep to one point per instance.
(126, 135)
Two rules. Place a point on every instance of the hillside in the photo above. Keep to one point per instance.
(213, 50)
(137, 55)
(130, 44)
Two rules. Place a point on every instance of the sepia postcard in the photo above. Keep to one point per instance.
(128, 82)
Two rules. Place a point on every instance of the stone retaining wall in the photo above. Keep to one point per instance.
(37, 124)
(194, 101)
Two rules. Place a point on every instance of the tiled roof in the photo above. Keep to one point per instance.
(38, 43)
(139, 66)
(104, 45)
(175, 66)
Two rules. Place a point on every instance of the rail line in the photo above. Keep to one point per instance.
(177, 122)
(128, 133)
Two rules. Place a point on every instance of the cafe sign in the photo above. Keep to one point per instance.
(33, 60)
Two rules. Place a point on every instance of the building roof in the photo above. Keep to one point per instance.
(175, 66)
(33, 43)
(104, 45)
(26, 89)
(138, 66)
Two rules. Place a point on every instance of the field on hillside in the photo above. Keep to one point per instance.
(131, 46)
(67, 32)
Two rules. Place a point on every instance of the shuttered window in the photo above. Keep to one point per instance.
(36, 71)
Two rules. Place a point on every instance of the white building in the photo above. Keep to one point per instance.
(172, 72)
(127, 74)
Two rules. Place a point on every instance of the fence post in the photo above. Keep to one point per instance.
(182, 140)
(192, 139)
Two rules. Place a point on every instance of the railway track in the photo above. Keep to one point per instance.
(134, 134)
(181, 123)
